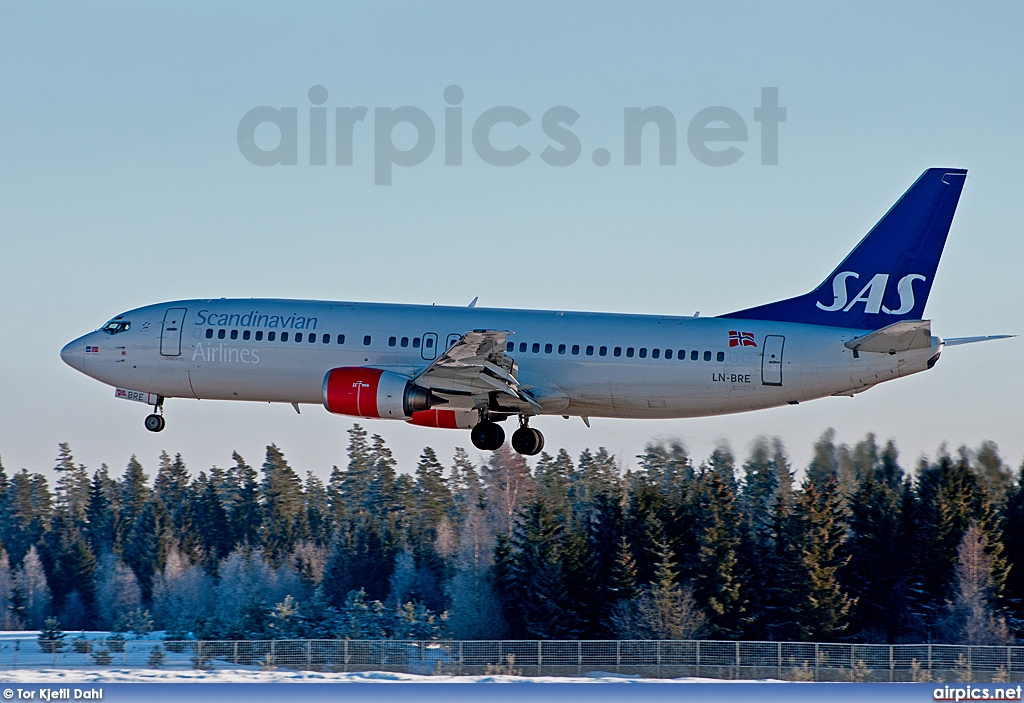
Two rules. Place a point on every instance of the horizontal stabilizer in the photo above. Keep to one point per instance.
(956, 341)
(897, 337)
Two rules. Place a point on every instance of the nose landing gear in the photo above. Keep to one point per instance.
(155, 421)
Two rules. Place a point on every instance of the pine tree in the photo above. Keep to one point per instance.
(665, 610)
(147, 544)
(244, 512)
(210, 520)
(881, 570)
(508, 485)
(281, 492)
(172, 487)
(825, 463)
(26, 514)
(718, 577)
(465, 484)
(820, 599)
(102, 512)
(72, 489)
(1013, 539)
(536, 595)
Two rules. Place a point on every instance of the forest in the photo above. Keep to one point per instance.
(853, 547)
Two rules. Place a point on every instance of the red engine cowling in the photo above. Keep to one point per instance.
(445, 419)
(366, 392)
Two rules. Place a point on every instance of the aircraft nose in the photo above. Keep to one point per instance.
(73, 354)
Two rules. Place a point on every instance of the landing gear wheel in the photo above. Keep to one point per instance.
(528, 441)
(487, 435)
(155, 423)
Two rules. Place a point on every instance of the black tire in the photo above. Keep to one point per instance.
(487, 436)
(528, 441)
(540, 442)
(155, 423)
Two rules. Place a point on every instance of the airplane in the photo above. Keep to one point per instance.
(473, 367)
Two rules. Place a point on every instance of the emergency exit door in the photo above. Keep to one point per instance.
(170, 337)
(771, 360)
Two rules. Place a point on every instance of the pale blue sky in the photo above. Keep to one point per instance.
(121, 184)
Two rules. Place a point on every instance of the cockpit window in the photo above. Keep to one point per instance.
(115, 326)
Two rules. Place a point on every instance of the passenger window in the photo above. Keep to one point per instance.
(428, 342)
(259, 335)
(707, 356)
(536, 348)
(209, 333)
(221, 334)
(246, 334)
(284, 336)
(415, 342)
(643, 352)
(312, 338)
(721, 356)
(548, 348)
(603, 351)
(510, 346)
(298, 336)
(522, 346)
(617, 351)
(655, 353)
(366, 341)
(341, 338)
(590, 350)
(561, 348)
(694, 355)
(668, 353)
(405, 341)
(575, 349)
(271, 336)
(629, 352)
(234, 334)
(392, 341)
(326, 339)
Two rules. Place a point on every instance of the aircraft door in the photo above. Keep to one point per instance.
(771, 360)
(170, 336)
(429, 347)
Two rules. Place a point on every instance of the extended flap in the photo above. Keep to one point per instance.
(897, 337)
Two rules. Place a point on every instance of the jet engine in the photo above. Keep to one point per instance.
(366, 392)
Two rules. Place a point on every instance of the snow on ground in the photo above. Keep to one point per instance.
(88, 676)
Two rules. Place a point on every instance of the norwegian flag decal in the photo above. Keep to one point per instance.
(92, 350)
(741, 339)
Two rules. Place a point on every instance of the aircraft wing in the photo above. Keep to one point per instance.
(473, 368)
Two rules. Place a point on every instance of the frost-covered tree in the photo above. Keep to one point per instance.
(474, 608)
(971, 618)
(117, 591)
(183, 596)
(31, 590)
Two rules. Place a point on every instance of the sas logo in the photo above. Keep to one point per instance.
(872, 293)
(92, 350)
(741, 339)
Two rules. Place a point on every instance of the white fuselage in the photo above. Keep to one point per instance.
(590, 364)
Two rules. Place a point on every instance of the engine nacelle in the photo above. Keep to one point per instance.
(366, 392)
(446, 419)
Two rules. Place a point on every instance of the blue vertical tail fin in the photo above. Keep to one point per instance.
(888, 276)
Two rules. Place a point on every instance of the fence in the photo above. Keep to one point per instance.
(804, 661)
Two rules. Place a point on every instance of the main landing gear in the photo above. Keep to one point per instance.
(155, 421)
(488, 436)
